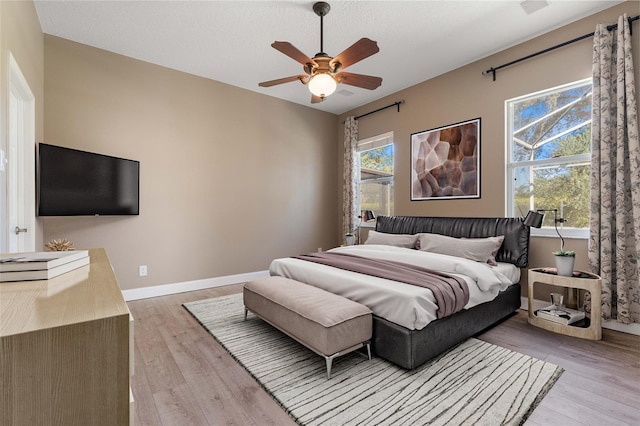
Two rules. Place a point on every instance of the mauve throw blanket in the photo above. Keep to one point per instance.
(451, 293)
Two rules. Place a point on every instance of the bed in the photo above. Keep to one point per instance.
(406, 330)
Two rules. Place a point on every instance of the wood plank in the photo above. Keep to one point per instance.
(161, 368)
(219, 404)
(144, 406)
(550, 417)
(573, 404)
(178, 406)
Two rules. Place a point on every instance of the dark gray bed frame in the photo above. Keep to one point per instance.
(412, 348)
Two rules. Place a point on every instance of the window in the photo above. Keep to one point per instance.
(549, 156)
(376, 175)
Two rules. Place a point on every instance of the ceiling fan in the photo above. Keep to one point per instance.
(324, 72)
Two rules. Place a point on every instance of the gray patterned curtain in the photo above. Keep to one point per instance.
(614, 243)
(351, 190)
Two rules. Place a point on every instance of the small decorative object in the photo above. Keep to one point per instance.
(61, 244)
(445, 162)
(564, 262)
(350, 238)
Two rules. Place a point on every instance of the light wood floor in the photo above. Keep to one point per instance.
(184, 377)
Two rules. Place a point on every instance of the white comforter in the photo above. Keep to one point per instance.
(410, 306)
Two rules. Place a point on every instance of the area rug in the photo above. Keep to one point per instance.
(475, 383)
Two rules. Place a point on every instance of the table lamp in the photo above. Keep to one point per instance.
(534, 220)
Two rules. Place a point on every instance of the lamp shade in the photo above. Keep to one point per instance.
(322, 85)
(368, 215)
(534, 219)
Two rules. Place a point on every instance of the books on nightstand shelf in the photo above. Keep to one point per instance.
(560, 315)
(40, 265)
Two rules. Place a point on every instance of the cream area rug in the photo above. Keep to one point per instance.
(475, 383)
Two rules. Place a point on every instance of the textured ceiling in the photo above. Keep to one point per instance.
(229, 41)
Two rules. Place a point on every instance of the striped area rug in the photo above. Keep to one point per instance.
(476, 383)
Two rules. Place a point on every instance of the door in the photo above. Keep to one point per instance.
(20, 164)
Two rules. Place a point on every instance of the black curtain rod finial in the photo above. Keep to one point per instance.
(490, 71)
(397, 103)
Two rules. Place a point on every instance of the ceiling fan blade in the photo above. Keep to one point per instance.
(358, 51)
(359, 80)
(281, 80)
(291, 51)
(316, 99)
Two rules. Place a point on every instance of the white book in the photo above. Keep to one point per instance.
(43, 274)
(562, 315)
(37, 261)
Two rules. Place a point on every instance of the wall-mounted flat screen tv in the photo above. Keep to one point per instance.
(79, 183)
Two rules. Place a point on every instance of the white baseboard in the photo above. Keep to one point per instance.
(166, 289)
(625, 328)
(610, 325)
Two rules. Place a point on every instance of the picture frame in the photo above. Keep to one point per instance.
(445, 162)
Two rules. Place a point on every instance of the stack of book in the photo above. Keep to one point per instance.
(560, 315)
(40, 265)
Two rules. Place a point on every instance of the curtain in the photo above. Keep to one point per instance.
(351, 181)
(614, 242)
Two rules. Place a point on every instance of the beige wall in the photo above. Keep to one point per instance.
(466, 94)
(20, 34)
(230, 179)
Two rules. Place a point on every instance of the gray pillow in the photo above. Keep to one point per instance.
(397, 240)
(478, 249)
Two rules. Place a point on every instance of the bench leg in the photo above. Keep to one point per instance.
(329, 360)
(245, 313)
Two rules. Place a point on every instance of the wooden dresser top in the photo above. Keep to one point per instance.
(84, 294)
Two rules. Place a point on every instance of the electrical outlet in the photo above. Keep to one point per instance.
(143, 270)
(319, 248)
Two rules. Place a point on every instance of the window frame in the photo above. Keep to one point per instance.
(511, 166)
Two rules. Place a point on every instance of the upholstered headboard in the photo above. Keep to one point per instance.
(515, 248)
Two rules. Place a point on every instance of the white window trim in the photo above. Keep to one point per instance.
(566, 232)
(375, 142)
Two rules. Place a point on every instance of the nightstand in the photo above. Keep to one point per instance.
(585, 281)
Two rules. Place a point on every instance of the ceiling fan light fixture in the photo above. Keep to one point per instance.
(322, 85)
(321, 72)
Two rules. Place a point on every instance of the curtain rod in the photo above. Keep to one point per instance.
(398, 103)
(612, 27)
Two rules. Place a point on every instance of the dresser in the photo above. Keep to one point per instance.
(65, 349)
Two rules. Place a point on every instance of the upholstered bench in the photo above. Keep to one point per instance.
(328, 324)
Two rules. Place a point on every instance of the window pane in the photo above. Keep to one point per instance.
(376, 180)
(552, 124)
(378, 159)
(378, 197)
(564, 187)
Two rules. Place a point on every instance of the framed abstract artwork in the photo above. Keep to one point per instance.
(445, 162)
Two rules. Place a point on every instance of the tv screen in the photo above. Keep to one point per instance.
(79, 183)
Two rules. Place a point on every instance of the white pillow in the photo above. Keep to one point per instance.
(397, 240)
(478, 249)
